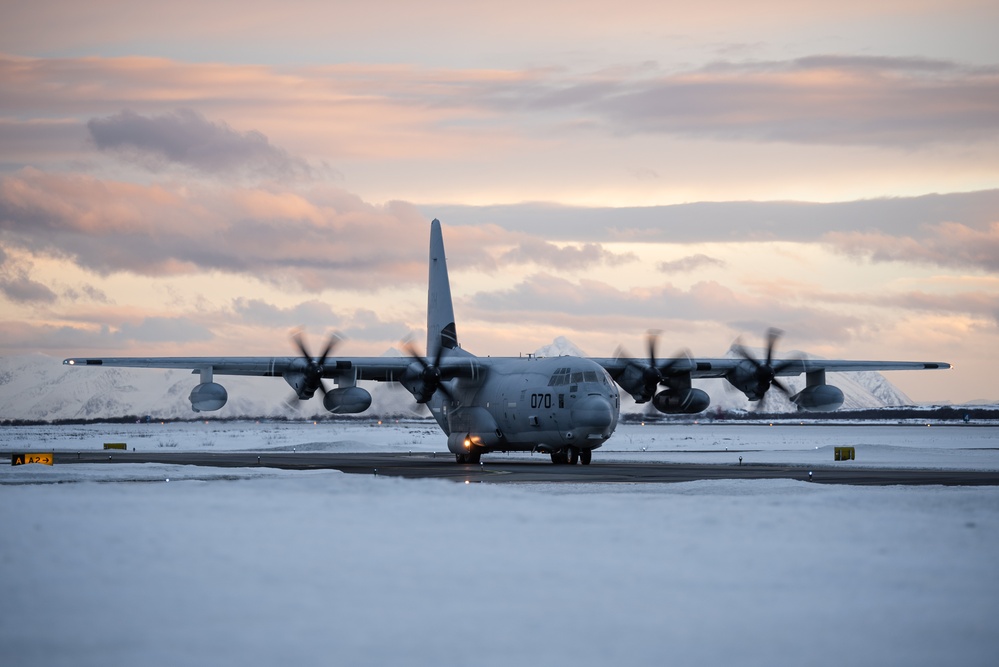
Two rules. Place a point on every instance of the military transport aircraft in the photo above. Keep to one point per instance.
(564, 406)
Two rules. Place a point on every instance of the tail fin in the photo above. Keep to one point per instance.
(440, 313)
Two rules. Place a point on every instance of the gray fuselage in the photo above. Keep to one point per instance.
(524, 404)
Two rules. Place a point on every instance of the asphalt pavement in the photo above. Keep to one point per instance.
(499, 469)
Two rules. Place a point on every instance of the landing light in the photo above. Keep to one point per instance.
(468, 443)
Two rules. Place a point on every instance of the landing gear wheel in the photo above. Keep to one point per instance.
(571, 455)
(585, 455)
(468, 457)
(559, 457)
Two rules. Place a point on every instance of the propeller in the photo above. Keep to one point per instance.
(314, 366)
(765, 372)
(431, 377)
(653, 372)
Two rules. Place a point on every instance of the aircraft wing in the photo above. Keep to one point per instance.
(382, 369)
(719, 368)
(305, 375)
(846, 366)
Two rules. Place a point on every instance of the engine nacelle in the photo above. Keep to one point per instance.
(347, 400)
(745, 377)
(208, 396)
(462, 443)
(459, 443)
(681, 401)
(819, 397)
(472, 426)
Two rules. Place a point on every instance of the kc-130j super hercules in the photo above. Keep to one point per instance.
(563, 406)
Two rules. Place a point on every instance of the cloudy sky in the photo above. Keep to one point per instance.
(200, 178)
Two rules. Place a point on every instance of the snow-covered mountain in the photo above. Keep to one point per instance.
(560, 347)
(39, 387)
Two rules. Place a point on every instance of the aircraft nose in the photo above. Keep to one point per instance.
(593, 412)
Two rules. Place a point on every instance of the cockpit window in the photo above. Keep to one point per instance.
(559, 377)
(564, 376)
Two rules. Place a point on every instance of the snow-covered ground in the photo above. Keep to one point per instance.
(115, 565)
(971, 446)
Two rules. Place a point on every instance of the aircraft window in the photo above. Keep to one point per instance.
(590, 376)
(559, 378)
(577, 377)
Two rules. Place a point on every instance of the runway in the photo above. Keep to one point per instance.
(500, 470)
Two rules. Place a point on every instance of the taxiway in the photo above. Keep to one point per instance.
(498, 469)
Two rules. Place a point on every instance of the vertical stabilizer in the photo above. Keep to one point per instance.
(440, 312)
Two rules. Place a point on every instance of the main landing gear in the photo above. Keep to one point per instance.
(472, 456)
(568, 456)
(572, 455)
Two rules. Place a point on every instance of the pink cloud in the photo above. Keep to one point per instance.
(314, 239)
(592, 306)
(549, 255)
(109, 226)
(950, 244)
(396, 110)
(187, 138)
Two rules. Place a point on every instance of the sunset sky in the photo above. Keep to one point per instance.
(192, 178)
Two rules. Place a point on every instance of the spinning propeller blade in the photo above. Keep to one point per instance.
(766, 371)
(431, 375)
(653, 372)
(314, 366)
